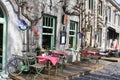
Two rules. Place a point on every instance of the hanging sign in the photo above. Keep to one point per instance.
(22, 25)
(80, 35)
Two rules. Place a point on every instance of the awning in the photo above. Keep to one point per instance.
(117, 30)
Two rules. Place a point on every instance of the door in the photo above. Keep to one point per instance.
(1, 45)
(3, 31)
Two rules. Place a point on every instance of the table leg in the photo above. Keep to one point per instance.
(56, 69)
(48, 70)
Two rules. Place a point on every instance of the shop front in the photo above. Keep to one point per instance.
(112, 35)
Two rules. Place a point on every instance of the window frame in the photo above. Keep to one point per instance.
(52, 26)
(73, 29)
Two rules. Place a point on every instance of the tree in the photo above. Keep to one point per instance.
(31, 10)
(77, 9)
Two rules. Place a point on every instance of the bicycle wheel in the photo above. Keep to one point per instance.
(14, 66)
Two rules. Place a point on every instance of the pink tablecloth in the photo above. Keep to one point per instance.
(57, 53)
(53, 60)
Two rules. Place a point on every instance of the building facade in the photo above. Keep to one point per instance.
(113, 24)
(62, 24)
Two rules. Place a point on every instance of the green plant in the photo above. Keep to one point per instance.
(38, 50)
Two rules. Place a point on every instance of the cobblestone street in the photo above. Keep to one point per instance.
(111, 72)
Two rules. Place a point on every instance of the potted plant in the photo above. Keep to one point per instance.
(38, 50)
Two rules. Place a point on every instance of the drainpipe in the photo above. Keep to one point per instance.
(106, 21)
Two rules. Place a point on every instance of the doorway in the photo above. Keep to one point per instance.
(46, 41)
(1, 45)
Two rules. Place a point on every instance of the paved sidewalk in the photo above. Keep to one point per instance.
(72, 71)
(4, 77)
(111, 72)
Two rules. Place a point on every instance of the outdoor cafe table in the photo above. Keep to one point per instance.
(111, 49)
(50, 59)
(61, 56)
(93, 52)
(58, 53)
(85, 53)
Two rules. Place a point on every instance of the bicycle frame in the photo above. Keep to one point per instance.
(21, 63)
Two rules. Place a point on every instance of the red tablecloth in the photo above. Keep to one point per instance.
(112, 49)
(57, 53)
(53, 60)
(93, 52)
(85, 53)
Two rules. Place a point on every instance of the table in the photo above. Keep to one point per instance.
(85, 53)
(93, 52)
(112, 52)
(50, 59)
(111, 49)
(62, 57)
(58, 53)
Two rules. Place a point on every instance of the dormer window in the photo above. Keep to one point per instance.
(100, 7)
(90, 4)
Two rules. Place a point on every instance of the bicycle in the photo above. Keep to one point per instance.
(25, 63)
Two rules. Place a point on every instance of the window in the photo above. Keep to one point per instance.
(99, 36)
(48, 32)
(72, 34)
(113, 16)
(118, 20)
(115, 19)
(100, 7)
(1, 13)
(109, 14)
(90, 4)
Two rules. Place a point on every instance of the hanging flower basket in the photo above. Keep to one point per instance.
(36, 31)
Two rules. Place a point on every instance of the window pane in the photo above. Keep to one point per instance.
(1, 13)
(47, 30)
(43, 21)
(71, 41)
(71, 33)
(72, 26)
(51, 22)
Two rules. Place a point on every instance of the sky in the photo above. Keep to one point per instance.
(118, 1)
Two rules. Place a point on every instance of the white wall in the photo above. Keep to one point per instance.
(14, 36)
